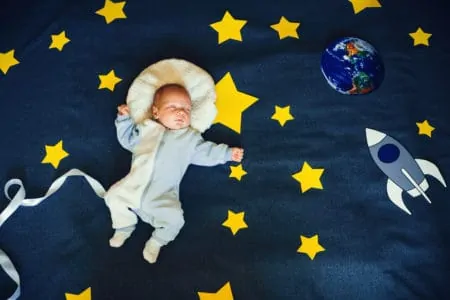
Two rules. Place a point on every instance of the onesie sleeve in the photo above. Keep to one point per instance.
(210, 154)
(127, 132)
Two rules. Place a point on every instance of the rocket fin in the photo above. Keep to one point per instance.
(395, 195)
(428, 168)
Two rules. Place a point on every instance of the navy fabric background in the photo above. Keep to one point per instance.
(373, 249)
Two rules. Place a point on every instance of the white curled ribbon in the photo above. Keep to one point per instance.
(19, 200)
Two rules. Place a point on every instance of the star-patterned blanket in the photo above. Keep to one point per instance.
(308, 213)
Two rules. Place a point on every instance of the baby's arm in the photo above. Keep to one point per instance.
(210, 154)
(127, 132)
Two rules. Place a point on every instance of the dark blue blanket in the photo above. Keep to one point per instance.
(340, 239)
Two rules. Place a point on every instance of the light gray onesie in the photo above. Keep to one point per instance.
(160, 205)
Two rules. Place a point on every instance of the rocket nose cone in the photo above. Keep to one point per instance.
(373, 137)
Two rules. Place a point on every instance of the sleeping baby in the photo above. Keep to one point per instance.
(181, 145)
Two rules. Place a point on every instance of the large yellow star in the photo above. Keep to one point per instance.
(59, 40)
(309, 178)
(85, 295)
(285, 28)
(54, 154)
(282, 114)
(235, 221)
(237, 172)
(420, 37)
(231, 103)
(7, 60)
(310, 246)
(109, 81)
(228, 28)
(112, 11)
(360, 5)
(225, 293)
(425, 128)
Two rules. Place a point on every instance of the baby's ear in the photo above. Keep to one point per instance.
(154, 112)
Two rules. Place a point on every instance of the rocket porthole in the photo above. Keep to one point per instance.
(388, 153)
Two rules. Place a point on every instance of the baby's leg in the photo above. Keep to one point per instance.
(120, 236)
(167, 219)
(151, 250)
(123, 220)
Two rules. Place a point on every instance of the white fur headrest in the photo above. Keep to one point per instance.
(197, 82)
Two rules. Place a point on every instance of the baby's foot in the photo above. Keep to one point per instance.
(151, 250)
(119, 238)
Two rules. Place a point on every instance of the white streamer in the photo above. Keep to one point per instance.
(19, 200)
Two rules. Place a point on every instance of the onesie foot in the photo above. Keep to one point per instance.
(151, 250)
(119, 238)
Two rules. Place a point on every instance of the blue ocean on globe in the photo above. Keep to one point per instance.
(352, 66)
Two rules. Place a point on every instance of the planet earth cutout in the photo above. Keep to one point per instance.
(352, 66)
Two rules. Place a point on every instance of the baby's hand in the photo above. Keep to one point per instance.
(237, 154)
(123, 110)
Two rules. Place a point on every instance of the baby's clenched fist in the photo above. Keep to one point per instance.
(123, 110)
(237, 154)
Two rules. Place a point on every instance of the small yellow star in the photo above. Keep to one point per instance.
(235, 221)
(309, 178)
(237, 172)
(425, 128)
(285, 28)
(59, 40)
(310, 246)
(225, 293)
(282, 114)
(112, 11)
(54, 154)
(7, 60)
(109, 81)
(231, 103)
(420, 37)
(85, 295)
(228, 28)
(360, 5)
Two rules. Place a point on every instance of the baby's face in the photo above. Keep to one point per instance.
(173, 108)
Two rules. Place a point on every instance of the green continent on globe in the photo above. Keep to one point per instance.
(362, 84)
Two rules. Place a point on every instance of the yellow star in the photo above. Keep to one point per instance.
(282, 114)
(235, 221)
(85, 295)
(420, 37)
(360, 5)
(237, 172)
(7, 60)
(228, 28)
(231, 103)
(310, 246)
(225, 293)
(54, 154)
(285, 28)
(425, 128)
(112, 10)
(309, 178)
(109, 81)
(59, 40)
